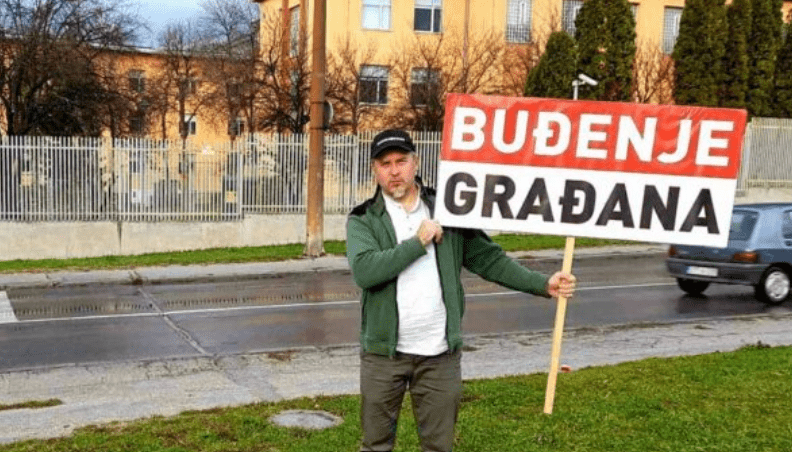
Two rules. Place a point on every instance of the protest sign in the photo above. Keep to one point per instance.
(652, 173)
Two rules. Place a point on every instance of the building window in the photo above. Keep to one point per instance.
(294, 41)
(634, 10)
(137, 124)
(374, 85)
(570, 13)
(425, 85)
(137, 81)
(189, 125)
(376, 14)
(428, 15)
(236, 127)
(518, 22)
(670, 27)
(188, 87)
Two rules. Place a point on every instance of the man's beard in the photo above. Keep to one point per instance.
(398, 192)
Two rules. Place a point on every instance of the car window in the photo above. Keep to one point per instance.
(742, 224)
(786, 228)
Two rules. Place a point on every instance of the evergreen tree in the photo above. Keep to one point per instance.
(699, 51)
(735, 62)
(783, 78)
(763, 45)
(554, 74)
(605, 33)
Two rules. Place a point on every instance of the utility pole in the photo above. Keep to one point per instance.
(314, 222)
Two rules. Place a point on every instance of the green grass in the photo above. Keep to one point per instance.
(509, 242)
(722, 402)
(33, 404)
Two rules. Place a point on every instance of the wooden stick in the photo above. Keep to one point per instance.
(558, 331)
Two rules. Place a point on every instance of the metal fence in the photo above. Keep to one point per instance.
(767, 154)
(88, 179)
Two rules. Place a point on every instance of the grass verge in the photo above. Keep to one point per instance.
(33, 404)
(509, 242)
(736, 401)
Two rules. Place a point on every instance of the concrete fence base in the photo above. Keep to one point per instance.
(64, 240)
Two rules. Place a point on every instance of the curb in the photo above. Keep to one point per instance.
(260, 270)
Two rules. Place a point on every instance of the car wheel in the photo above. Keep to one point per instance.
(692, 286)
(774, 286)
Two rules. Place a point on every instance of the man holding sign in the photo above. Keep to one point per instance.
(408, 266)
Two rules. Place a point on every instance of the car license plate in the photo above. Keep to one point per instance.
(702, 271)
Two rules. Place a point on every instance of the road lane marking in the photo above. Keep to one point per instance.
(192, 311)
(299, 305)
(579, 289)
(6, 311)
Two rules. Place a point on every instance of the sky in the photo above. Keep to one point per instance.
(157, 13)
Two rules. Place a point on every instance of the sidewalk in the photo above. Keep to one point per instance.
(219, 272)
(124, 391)
(102, 393)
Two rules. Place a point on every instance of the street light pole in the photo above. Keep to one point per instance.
(314, 243)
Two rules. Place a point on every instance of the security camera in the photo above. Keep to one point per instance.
(587, 80)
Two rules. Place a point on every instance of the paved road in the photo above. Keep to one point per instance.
(147, 383)
(84, 324)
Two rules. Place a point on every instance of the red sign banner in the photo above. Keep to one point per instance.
(603, 136)
(658, 173)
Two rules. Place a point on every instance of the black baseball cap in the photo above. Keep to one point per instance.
(391, 139)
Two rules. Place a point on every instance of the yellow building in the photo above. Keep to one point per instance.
(173, 96)
(522, 25)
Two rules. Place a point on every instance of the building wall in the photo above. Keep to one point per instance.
(344, 18)
(211, 120)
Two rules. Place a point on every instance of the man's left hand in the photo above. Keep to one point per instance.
(561, 284)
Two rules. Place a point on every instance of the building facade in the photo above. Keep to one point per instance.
(388, 27)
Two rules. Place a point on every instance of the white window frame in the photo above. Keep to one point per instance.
(379, 75)
(190, 121)
(435, 23)
(376, 14)
(671, 17)
(518, 21)
(569, 13)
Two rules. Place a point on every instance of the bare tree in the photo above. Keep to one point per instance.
(516, 63)
(354, 94)
(232, 26)
(653, 75)
(285, 75)
(425, 70)
(48, 50)
(184, 56)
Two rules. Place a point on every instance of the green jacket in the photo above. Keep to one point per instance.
(376, 261)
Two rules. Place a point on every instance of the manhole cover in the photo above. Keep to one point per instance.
(313, 420)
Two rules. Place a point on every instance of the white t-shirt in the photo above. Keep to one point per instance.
(419, 297)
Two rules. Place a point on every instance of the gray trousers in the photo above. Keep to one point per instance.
(435, 385)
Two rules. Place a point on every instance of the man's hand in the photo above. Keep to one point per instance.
(561, 285)
(429, 231)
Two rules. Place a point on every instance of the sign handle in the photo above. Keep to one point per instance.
(558, 331)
